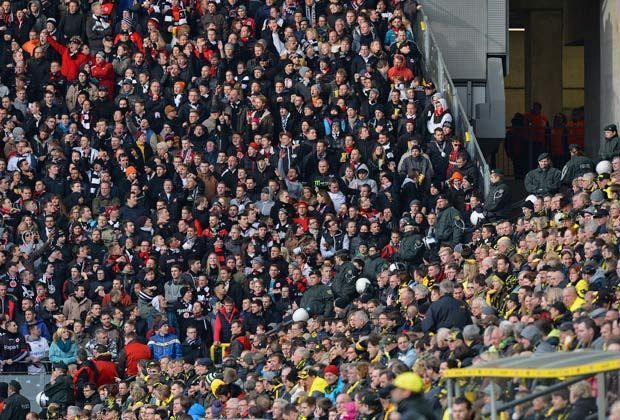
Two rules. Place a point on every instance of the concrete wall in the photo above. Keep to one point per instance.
(543, 52)
(610, 62)
(514, 83)
(570, 73)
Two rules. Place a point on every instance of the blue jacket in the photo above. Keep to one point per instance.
(165, 346)
(332, 393)
(67, 357)
(45, 332)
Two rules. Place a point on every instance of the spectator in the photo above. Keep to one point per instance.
(163, 343)
(63, 348)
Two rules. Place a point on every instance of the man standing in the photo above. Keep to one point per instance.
(578, 165)
(610, 145)
(498, 200)
(164, 343)
(449, 227)
(131, 354)
(16, 406)
(446, 312)
(543, 180)
(318, 298)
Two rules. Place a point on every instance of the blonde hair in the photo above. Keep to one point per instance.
(60, 331)
(553, 295)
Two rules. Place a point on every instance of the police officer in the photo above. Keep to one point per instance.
(499, 198)
(578, 165)
(16, 406)
(610, 146)
(411, 249)
(543, 180)
(449, 226)
(347, 273)
(318, 298)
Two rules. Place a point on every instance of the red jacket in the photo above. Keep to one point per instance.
(135, 352)
(402, 71)
(135, 38)
(70, 63)
(221, 332)
(106, 372)
(104, 72)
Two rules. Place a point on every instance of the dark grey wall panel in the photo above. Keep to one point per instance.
(460, 28)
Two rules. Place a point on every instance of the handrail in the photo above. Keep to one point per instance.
(436, 68)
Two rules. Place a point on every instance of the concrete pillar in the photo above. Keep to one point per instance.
(592, 75)
(610, 62)
(543, 65)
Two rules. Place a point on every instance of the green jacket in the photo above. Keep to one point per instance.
(411, 248)
(373, 266)
(543, 181)
(318, 300)
(15, 408)
(577, 166)
(449, 227)
(609, 148)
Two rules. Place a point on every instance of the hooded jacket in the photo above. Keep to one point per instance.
(401, 71)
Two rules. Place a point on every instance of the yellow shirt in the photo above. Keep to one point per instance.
(319, 384)
(578, 303)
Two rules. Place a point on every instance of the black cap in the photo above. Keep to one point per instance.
(527, 204)
(205, 361)
(497, 171)
(447, 124)
(380, 108)
(542, 156)
(442, 197)
(574, 146)
(611, 127)
(371, 399)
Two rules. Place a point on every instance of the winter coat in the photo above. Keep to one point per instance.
(67, 357)
(104, 72)
(543, 181)
(96, 30)
(70, 64)
(165, 346)
(344, 282)
(223, 320)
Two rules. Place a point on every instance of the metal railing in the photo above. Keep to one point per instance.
(32, 384)
(436, 70)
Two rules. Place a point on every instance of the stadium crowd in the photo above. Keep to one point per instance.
(225, 209)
